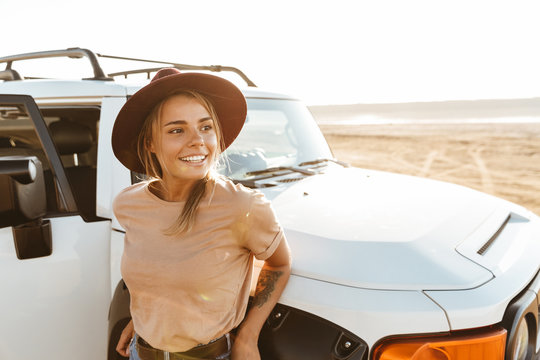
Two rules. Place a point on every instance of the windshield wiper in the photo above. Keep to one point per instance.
(253, 183)
(318, 161)
(281, 168)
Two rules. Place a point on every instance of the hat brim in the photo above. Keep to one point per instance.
(228, 101)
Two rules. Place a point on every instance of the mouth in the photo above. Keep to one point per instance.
(194, 159)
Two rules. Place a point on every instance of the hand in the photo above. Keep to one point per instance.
(123, 344)
(245, 349)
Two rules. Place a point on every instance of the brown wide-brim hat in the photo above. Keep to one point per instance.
(228, 101)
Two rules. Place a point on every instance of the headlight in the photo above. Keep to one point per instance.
(481, 344)
(521, 319)
(522, 341)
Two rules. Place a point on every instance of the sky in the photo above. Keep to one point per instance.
(323, 52)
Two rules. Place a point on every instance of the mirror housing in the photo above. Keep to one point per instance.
(22, 190)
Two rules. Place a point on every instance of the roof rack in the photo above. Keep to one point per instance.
(9, 75)
(71, 52)
(147, 71)
(99, 74)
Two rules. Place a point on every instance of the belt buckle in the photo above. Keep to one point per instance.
(166, 355)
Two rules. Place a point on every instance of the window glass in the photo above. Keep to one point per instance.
(277, 132)
(75, 138)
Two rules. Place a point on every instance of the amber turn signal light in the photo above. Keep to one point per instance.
(481, 344)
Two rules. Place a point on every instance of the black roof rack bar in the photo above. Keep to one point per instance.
(214, 68)
(9, 75)
(137, 71)
(71, 52)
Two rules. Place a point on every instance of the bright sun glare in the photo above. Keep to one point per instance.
(321, 52)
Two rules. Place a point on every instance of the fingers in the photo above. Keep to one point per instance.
(125, 339)
(123, 343)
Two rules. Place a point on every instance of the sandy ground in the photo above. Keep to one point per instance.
(499, 159)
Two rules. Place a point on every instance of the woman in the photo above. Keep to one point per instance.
(191, 234)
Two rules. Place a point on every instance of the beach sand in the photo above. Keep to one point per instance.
(501, 159)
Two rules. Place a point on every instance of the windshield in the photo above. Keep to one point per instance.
(277, 132)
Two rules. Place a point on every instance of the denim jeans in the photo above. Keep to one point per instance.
(133, 355)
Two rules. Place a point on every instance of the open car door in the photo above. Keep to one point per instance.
(54, 263)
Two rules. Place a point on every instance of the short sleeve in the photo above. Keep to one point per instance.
(125, 201)
(264, 232)
(119, 208)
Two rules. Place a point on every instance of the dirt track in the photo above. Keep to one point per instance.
(499, 159)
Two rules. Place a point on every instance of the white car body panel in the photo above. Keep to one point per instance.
(109, 170)
(65, 294)
(487, 303)
(373, 231)
(247, 91)
(505, 251)
(60, 91)
(371, 314)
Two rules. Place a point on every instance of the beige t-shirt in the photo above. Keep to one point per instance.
(190, 289)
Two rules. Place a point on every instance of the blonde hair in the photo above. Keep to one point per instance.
(153, 170)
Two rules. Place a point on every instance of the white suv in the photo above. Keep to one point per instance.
(385, 266)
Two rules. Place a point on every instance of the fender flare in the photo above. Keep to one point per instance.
(119, 316)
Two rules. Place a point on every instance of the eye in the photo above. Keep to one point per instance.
(207, 127)
(176, 131)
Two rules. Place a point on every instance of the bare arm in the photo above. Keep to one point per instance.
(123, 343)
(271, 283)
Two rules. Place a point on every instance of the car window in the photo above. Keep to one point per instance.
(74, 133)
(277, 132)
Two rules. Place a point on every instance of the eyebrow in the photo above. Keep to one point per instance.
(183, 122)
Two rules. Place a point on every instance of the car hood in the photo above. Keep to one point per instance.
(378, 230)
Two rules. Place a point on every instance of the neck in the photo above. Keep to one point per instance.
(174, 190)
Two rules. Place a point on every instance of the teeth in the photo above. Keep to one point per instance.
(194, 158)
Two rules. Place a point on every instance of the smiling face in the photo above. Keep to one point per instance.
(184, 141)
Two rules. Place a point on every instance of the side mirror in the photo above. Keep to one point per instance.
(22, 190)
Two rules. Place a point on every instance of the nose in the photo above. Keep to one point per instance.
(196, 138)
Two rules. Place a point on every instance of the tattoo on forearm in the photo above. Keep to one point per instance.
(265, 286)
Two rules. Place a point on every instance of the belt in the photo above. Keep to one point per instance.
(211, 351)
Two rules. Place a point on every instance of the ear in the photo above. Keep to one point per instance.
(150, 146)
